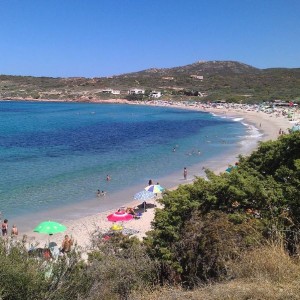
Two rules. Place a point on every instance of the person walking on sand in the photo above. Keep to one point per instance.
(185, 173)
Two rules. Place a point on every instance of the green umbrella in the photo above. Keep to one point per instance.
(49, 227)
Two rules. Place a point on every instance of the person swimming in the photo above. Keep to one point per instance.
(100, 193)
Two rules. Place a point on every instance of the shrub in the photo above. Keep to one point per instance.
(21, 277)
(118, 267)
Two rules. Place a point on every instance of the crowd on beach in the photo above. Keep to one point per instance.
(50, 251)
(291, 110)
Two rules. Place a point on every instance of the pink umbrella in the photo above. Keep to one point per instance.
(119, 216)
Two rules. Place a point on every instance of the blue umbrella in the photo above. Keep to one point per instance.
(296, 128)
(144, 195)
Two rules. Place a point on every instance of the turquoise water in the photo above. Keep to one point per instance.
(55, 154)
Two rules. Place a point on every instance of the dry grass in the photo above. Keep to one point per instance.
(268, 263)
(235, 290)
(267, 273)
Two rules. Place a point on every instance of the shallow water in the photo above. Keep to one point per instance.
(54, 155)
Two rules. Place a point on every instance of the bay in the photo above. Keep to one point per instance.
(56, 154)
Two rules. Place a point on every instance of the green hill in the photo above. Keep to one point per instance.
(212, 80)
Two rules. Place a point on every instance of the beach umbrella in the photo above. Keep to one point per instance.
(49, 227)
(144, 195)
(229, 169)
(154, 188)
(296, 128)
(119, 216)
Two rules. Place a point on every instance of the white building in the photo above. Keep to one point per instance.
(116, 92)
(199, 77)
(136, 92)
(111, 91)
(155, 94)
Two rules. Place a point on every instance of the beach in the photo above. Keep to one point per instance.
(82, 228)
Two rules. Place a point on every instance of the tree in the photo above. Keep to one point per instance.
(264, 190)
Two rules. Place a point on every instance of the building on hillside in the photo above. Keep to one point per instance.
(136, 92)
(111, 91)
(155, 94)
(202, 94)
(167, 78)
(199, 77)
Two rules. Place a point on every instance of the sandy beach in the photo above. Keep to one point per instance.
(82, 228)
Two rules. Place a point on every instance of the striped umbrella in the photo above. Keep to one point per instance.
(119, 216)
(154, 188)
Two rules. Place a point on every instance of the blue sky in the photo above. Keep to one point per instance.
(94, 38)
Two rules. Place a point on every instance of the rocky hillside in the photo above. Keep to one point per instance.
(207, 68)
(212, 80)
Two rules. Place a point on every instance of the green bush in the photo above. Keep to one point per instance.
(204, 224)
(21, 277)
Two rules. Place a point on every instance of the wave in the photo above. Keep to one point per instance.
(252, 131)
(237, 119)
(222, 116)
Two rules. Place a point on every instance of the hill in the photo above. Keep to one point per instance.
(212, 80)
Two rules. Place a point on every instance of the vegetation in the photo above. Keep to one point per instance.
(221, 217)
(226, 80)
(267, 273)
(230, 236)
(114, 269)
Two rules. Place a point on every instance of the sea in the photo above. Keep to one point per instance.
(54, 156)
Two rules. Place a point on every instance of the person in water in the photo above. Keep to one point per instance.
(100, 194)
(4, 227)
(14, 231)
(185, 173)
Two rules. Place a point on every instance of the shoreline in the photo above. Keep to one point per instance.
(81, 228)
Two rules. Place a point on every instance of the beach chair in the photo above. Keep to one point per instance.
(138, 216)
(54, 249)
